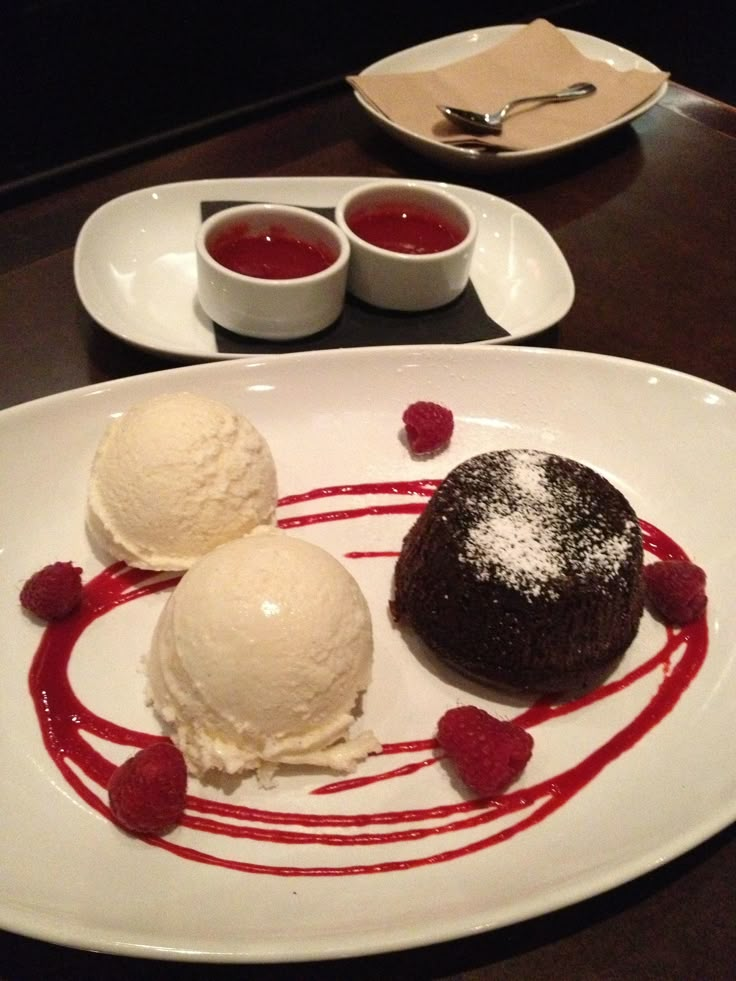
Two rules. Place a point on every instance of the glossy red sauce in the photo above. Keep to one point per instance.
(405, 228)
(65, 721)
(271, 254)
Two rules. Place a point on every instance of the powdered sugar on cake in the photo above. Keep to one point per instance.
(533, 529)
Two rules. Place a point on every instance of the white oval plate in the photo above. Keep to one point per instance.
(67, 875)
(454, 47)
(136, 274)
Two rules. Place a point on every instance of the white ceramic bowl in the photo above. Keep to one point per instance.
(278, 309)
(398, 280)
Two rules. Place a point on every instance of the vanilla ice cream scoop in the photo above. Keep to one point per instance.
(259, 657)
(174, 477)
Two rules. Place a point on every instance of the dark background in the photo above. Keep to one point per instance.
(101, 79)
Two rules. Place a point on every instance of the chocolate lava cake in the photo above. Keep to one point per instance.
(524, 571)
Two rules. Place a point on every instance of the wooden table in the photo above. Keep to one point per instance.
(645, 219)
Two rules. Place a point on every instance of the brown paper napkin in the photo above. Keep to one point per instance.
(536, 59)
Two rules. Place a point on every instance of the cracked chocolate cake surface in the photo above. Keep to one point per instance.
(523, 571)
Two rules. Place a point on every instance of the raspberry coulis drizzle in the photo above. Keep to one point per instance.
(64, 719)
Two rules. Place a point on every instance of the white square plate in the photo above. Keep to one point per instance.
(136, 274)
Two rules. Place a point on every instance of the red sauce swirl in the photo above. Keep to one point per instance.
(65, 720)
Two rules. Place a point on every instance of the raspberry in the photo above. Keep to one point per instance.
(428, 426)
(148, 792)
(53, 592)
(488, 753)
(676, 590)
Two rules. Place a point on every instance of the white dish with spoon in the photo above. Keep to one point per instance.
(446, 50)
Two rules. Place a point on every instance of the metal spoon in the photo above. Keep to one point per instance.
(492, 122)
